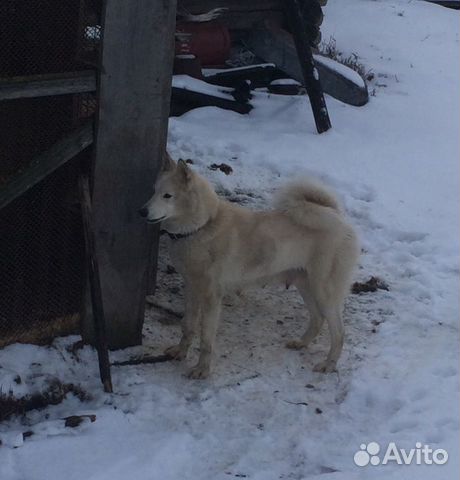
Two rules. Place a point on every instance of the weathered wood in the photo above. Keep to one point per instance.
(277, 46)
(45, 85)
(184, 100)
(134, 95)
(239, 14)
(46, 163)
(95, 285)
(309, 72)
(312, 12)
(340, 86)
(200, 6)
(258, 75)
(243, 14)
(146, 359)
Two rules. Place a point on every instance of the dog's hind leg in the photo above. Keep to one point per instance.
(189, 325)
(210, 304)
(336, 330)
(316, 319)
(322, 309)
(331, 293)
(323, 291)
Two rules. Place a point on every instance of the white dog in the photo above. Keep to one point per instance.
(218, 247)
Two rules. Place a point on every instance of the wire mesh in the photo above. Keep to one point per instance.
(39, 36)
(41, 239)
(42, 260)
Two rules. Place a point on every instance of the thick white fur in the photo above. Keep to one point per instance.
(304, 241)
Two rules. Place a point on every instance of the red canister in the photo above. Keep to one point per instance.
(209, 42)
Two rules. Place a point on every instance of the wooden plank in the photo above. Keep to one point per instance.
(339, 85)
(47, 163)
(95, 284)
(309, 72)
(238, 14)
(184, 100)
(277, 46)
(134, 95)
(258, 75)
(45, 85)
(245, 20)
(243, 14)
(201, 6)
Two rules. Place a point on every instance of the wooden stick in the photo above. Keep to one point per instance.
(95, 285)
(47, 163)
(45, 85)
(147, 359)
(307, 63)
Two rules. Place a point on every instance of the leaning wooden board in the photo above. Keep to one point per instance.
(277, 46)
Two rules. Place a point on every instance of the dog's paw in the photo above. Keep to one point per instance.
(325, 367)
(295, 344)
(198, 371)
(175, 352)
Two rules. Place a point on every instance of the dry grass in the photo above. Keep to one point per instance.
(329, 49)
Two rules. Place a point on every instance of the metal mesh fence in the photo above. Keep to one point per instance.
(42, 260)
(41, 239)
(42, 36)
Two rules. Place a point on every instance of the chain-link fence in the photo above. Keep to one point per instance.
(41, 240)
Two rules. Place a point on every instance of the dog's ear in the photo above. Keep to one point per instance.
(184, 170)
(168, 163)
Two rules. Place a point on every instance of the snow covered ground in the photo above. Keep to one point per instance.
(264, 414)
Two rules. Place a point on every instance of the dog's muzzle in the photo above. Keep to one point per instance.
(143, 212)
(156, 220)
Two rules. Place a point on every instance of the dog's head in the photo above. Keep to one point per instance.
(181, 199)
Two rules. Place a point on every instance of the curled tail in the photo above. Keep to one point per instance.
(310, 204)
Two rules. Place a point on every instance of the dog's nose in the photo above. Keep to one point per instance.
(143, 212)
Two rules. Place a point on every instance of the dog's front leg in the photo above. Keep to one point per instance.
(189, 324)
(210, 304)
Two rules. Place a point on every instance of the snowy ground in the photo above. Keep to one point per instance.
(264, 414)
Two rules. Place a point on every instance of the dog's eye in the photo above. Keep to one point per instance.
(167, 195)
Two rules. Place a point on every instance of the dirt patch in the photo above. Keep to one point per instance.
(371, 285)
(223, 167)
(75, 420)
(53, 395)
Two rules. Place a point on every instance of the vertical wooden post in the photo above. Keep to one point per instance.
(310, 73)
(134, 90)
(95, 285)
